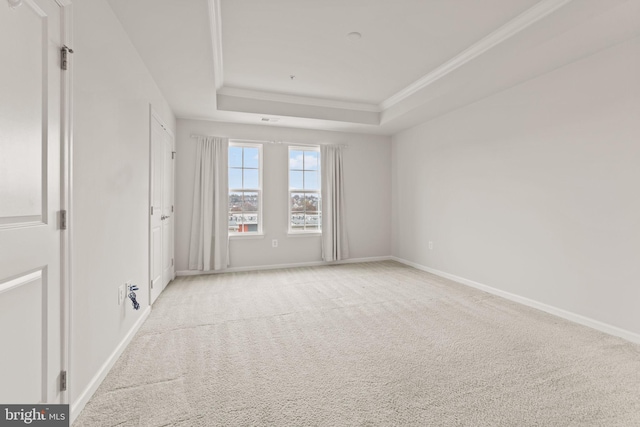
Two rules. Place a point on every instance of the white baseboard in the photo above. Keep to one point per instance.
(573, 317)
(83, 398)
(276, 266)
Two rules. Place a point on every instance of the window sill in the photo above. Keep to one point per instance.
(304, 234)
(246, 236)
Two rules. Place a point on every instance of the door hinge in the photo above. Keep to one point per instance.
(64, 57)
(171, 208)
(173, 154)
(151, 210)
(151, 284)
(171, 262)
(63, 381)
(63, 220)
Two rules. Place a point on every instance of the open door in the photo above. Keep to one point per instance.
(31, 220)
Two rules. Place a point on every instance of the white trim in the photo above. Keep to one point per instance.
(215, 23)
(20, 281)
(277, 266)
(32, 4)
(568, 315)
(299, 100)
(83, 398)
(508, 30)
(309, 233)
(259, 190)
(67, 237)
(246, 236)
(303, 148)
(163, 124)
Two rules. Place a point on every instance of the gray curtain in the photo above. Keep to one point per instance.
(209, 245)
(335, 245)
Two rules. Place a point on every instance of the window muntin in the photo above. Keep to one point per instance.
(305, 205)
(245, 188)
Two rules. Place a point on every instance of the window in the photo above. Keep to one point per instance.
(304, 189)
(245, 188)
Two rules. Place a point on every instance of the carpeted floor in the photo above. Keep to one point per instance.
(372, 344)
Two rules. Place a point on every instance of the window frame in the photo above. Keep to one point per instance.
(314, 148)
(260, 231)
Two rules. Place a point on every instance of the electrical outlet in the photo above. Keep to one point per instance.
(430, 245)
(121, 293)
(274, 243)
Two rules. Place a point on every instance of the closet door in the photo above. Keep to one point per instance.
(30, 203)
(167, 208)
(161, 210)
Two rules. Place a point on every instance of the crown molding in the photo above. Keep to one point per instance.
(508, 30)
(215, 23)
(300, 100)
(281, 109)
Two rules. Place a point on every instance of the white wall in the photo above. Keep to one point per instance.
(534, 190)
(367, 186)
(112, 94)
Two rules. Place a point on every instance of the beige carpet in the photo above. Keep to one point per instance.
(372, 344)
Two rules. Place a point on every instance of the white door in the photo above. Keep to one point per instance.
(167, 209)
(161, 233)
(30, 200)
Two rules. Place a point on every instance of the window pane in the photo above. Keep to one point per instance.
(235, 178)
(295, 180)
(297, 202)
(251, 218)
(235, 156)
(295, 159)
(311, 160)
(312, 204)
(251, 157)
(311, 181)
(235, 202)
(235, 221)
(251, 178)
(250, 202)
(297, 219)
(312, 221)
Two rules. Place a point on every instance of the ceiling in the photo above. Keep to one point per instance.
(291, 62)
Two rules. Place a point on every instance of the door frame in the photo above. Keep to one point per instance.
(66, 199)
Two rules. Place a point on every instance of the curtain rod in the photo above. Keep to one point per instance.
(310, 145)
(272, 142)
(239, 139)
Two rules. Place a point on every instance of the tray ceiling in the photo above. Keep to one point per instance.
(250, 61)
